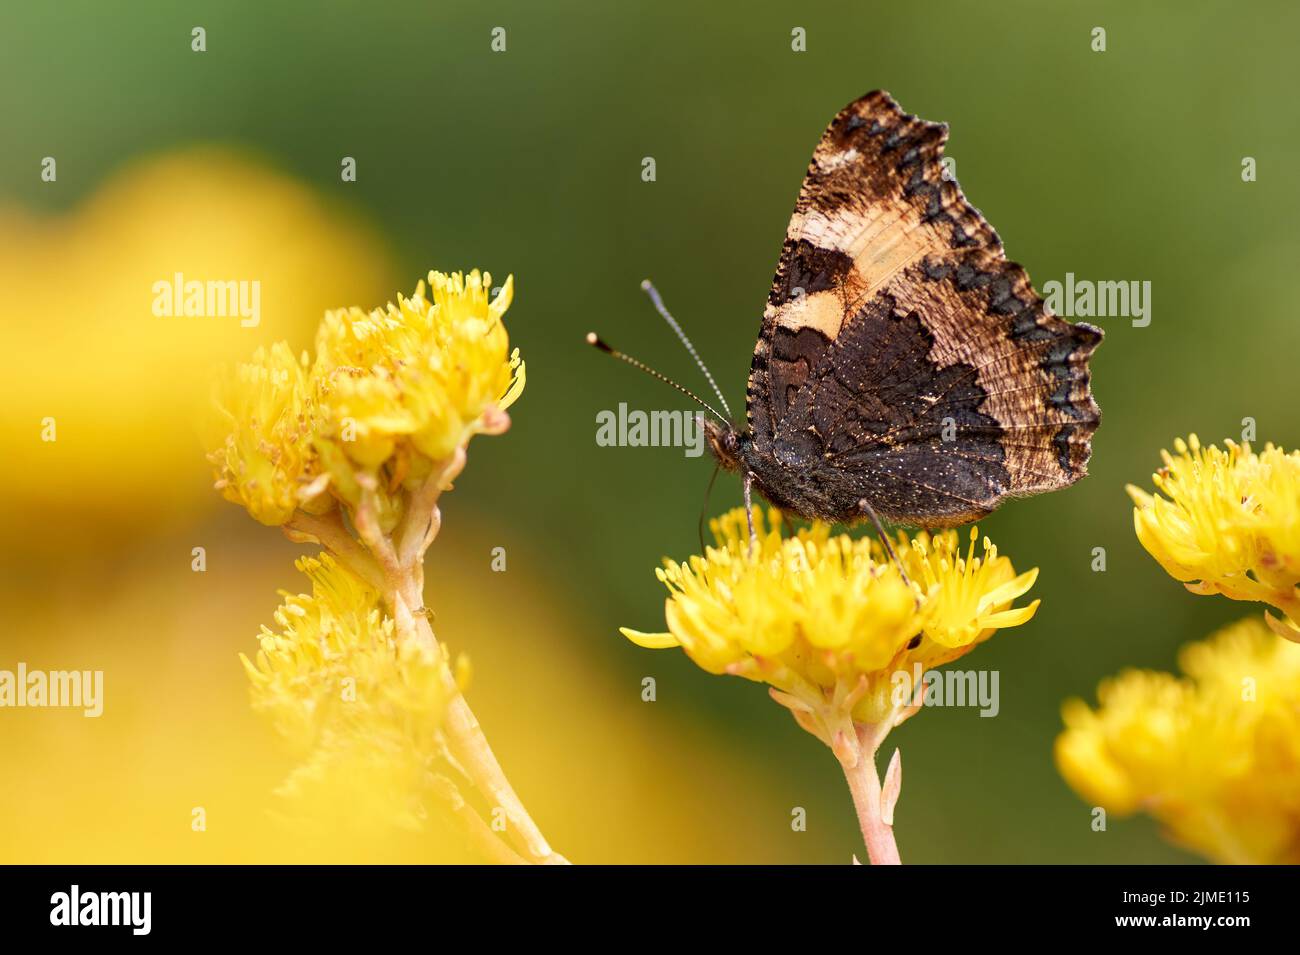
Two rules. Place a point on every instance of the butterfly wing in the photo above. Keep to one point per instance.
(902, 358)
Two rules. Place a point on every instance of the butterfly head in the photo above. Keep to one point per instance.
(725, 442)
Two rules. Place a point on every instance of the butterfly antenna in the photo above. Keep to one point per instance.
(672, 322)
(595, 341)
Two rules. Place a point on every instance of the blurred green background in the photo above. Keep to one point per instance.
(1117, 165)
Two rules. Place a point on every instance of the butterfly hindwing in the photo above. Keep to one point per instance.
(902, 359)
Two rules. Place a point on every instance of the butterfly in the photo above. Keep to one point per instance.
(905, 370)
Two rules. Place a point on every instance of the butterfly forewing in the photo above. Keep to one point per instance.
(902, 359)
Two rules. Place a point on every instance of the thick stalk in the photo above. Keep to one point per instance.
(864, 784)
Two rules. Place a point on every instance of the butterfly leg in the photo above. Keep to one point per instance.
(867, 509)
(746, 484)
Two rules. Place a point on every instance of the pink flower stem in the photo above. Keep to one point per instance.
(864, 784)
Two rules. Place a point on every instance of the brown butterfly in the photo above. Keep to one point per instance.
(904, 368)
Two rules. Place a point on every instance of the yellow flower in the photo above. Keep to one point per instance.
(1213, 756)
(259, 437)
(1229, 523)
(399, 388)
(347, 692)
(422, 375)
(829, 619)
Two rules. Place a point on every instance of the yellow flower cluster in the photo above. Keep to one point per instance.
(360, 704)
(1228, 523)
(260, 438)
(1214, 756)
(395, 390)
(823, 617)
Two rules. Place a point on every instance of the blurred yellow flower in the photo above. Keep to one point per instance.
(817, 616)
(1229, 523)
(127, 465)
(1213, 756)
(359, 703)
